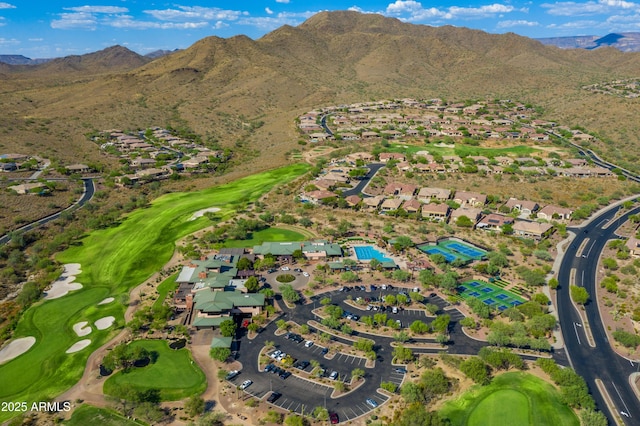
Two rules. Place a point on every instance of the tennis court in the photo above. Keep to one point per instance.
(465, 249)
(454, 250)
(489, 294)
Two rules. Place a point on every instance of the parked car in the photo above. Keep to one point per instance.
(297, 270)
(277, 371)
(308, 343)
(399, 323)
(305, 274)
(324, 351)
(372, 402)
(285, 268)
(394, 309)
(383, 286)
(275, 354)
(333, 375)
(274, 395)
(401, 370)
(232, 374)
(269, 367)
(302, 365)
(334, 418)
(285, 374)
(246, 384)
(416, 289)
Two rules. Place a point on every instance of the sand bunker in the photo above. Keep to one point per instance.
(16, 348)
(107, 300)
(104, 323)
(201, 213)
(79, 346)
(65, 283)
(81, 328)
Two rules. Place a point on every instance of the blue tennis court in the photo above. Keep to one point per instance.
(474, 294)
(487, 290)
(474, 284)
(502, 307)
(489, 294)
(447, 256)
(502, 296)
(466, 250)
(489, 301)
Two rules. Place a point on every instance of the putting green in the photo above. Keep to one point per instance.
(514, 399)
(114, 261)
(174, 374)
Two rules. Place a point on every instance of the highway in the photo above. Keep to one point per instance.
(599, 362)
(87, 195)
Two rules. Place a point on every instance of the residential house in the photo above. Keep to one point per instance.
(555, 213)
(439, 194)
(28, 188)
(412, 206)
(472, 213)
(386, 156)
(391, 204)
(467, 198)
(576, 162)
(348, 136)
(403, 190)
(8, 167)
(320, 196)
(78, 168)
(364, 156)
(142, 163)
(523, 206)
(436, 212)
(494, 222)
(534, 230)
(372, 203)
(319, 137)
(353, 200)
(503, 160)
(369, 135)
(633, 244)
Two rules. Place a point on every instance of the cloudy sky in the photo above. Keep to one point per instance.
(52, 28)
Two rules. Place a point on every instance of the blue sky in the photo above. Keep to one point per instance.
(53, 28)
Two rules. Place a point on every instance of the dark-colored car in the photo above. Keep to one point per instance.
(324, 351)
(334, 418)
(285, 374)
(302, 365)
(274, 395)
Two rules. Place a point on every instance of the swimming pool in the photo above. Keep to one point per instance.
(365, 253)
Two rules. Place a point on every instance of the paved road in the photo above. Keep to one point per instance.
(357, 190)
(87, 195)
(600, 362)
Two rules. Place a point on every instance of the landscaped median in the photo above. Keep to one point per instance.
(113, 261)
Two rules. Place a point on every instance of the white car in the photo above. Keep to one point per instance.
(308, 344)
(246, 384)
(275, 354)
(384, 286)
(305, 274)
(285, 268)
(333, 375)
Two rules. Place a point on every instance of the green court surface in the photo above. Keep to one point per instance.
(489, 294)
(113, 261)
(512, 399)
(173, 373)
(453, 250)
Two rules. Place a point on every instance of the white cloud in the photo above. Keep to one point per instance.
(8, 41)
(282, 1)
(272, 22)
(517, 23)
(129, 23)
(570, 8)
(413, 11)
(98, 9)
(35, 39)
(269, 11)
(75, 20)
(189, 13)
(4, 5)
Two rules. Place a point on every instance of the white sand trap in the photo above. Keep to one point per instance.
(78, 346)
(16, 348)
(65, 283)
(201, 213)
(81, 328)
(107, 300)
(104, 323)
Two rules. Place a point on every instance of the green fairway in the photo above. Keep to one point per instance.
(174, 374)
(266, 235)
(90, 415)
(167, 286)
(514, 399)
(113, 261)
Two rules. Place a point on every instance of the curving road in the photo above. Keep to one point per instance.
(87, 195)
(599, 362)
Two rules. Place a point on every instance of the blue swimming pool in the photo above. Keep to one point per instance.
(366, 253)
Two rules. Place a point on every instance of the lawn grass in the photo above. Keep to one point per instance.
(167, 286)
(269, 234)
(90, 415)
(114, 261)
(466, 150)
(514, 399)
(174, 374)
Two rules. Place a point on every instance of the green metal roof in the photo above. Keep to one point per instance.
(220, 301)
(221, 342)
(209, 322)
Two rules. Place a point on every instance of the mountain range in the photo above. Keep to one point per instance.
(247, 93)
(625, 42)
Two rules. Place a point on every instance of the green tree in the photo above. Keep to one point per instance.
(349, 276)
(244, 264)
(357, 373)
(194, 406)
(402, 355)
(579, 294)
(419, 327)
(228, 328)
(476, 370)
(590, 417)
(252, 285)
(464, 222)
(401, 275)
(441, 323)
(220, 354)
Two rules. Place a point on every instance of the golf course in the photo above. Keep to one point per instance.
(514, 399)
(113, 261)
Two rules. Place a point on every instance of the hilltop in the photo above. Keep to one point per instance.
(220, 87)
